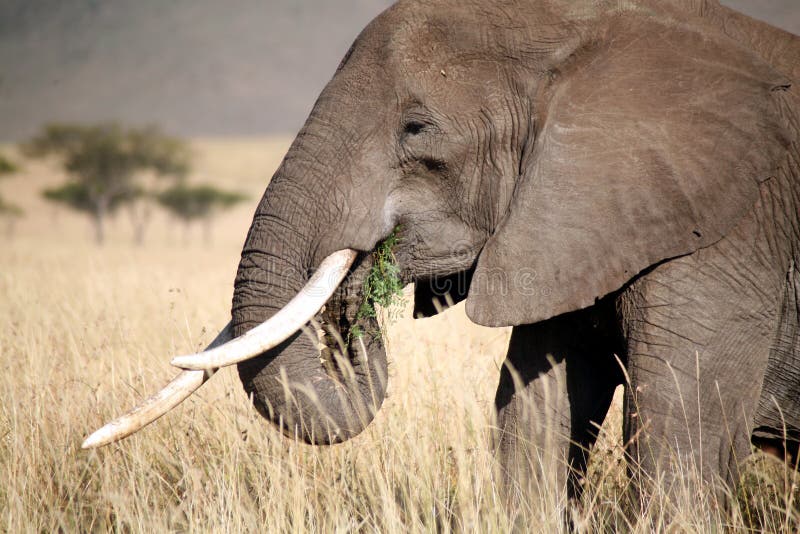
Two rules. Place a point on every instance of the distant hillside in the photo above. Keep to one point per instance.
(205, 67)
(198, 67)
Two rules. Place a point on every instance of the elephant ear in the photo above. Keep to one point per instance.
(648, 146)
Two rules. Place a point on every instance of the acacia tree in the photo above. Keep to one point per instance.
(8, 211)
(78, 196)
(103, 162)
(198, 203)
(7, 166)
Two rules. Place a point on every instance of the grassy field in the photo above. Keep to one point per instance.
(88, 331)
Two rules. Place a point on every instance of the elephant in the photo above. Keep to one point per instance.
(618, 181)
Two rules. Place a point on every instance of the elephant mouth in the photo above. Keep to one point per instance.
(434, 294)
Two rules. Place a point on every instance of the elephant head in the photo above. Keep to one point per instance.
(546, 152)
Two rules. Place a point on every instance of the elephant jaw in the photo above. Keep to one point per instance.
(226, 350)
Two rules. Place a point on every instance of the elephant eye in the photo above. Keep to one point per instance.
(413, 127)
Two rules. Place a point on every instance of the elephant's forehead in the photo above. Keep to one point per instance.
(426, 38)
(429, 54)
(433, 32)
(450, 80)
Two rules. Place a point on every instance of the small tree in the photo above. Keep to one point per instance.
(10, 212)
(7, 166)
(103, 162)
(78, 197)
(202, 202)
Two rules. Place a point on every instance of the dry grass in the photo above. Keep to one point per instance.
(87, 332)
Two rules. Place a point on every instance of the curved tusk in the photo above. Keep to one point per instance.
(156, 405)
(291, 318)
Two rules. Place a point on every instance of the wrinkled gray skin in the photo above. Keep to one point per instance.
(609, 180)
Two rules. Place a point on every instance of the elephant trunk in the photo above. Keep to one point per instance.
(325, 383)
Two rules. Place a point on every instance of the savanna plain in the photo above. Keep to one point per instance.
(88, 331)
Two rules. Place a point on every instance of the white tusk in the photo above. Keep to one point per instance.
(156, 405)
(291, 318)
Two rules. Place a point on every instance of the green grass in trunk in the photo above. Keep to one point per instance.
(383, 285)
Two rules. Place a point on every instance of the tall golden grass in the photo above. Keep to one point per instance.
(88, 331)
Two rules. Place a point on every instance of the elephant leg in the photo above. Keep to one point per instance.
(699, 332)
(555, 389)
(777, 424)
